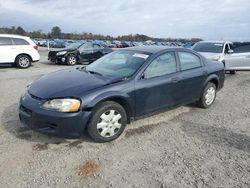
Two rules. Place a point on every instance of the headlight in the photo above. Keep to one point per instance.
(62, 105)
(61, 53)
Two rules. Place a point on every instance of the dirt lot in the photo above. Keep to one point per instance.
(185, 147)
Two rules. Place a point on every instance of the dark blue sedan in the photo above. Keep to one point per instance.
(105, 96)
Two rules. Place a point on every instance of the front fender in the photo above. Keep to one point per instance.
(123, 97)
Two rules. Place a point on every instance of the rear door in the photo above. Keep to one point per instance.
(20, 46)
(6, 50)
(240, 58)
(193, 74)
(157, 87)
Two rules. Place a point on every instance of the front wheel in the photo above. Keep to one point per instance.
(208, 96)
(108, 122)
(71, 60)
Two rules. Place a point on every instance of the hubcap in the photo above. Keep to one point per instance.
(23, 62)
(109, 123)
(72, 60)
(210, 95)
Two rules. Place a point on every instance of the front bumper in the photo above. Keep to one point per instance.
(67, 125)
(57, 59)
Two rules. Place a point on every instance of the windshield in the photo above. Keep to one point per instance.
(118, 64)
(209, 47)
(74, 45)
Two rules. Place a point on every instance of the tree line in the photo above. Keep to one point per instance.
(56, 33)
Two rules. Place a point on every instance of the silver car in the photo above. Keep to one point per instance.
(235, 56)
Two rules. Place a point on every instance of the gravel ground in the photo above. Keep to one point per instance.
(185, 147)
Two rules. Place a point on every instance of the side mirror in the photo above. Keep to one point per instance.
(230, 51)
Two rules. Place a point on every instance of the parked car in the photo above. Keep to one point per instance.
(238, 58)
(78, 52)
(20, 50)
(223, 51)
(126, 84)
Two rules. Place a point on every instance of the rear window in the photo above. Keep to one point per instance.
(5, 41)
(20, 41)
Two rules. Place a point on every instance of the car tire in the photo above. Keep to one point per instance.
(208, 96)
(71, 60)
(23, 61)
(108, 122)
(232, 72)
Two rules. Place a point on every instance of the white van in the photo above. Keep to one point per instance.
(20, 50)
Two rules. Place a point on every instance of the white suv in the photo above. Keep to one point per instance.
(19, 50)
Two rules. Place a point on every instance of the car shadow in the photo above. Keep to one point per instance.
(217, 135)
(11, 123)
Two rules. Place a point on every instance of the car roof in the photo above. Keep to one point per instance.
(215, 42)
(150, 49)
(13, 36)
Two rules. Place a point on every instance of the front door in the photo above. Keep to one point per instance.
(7, 50)
(86, 52)
(157, 87)
(239, 59)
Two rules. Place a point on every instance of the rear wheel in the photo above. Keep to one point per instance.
(208, 96)
(108, 122)
(23, 61)
(71, 60)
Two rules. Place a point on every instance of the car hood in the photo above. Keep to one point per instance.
(209, 55)
(67, 83)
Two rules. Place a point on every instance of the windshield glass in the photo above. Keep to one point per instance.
(118, 64)
(74, 45)
(208, 47)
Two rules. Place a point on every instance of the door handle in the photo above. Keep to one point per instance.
(175, 80)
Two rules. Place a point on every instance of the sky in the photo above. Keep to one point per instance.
(206, 19)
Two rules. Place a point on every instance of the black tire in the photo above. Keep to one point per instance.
(23, 61)
(103, 109)
(71, 60)
(203, 103)
(232, 72)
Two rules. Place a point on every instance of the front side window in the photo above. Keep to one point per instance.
(162, 65)
(19, 41)
(189, 61)
(241, 47)
(5, 41)
(96, 46)
(86, 46)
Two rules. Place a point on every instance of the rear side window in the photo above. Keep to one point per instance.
(5, 41)
(241, 47)
(189, 61)
(20, 41)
